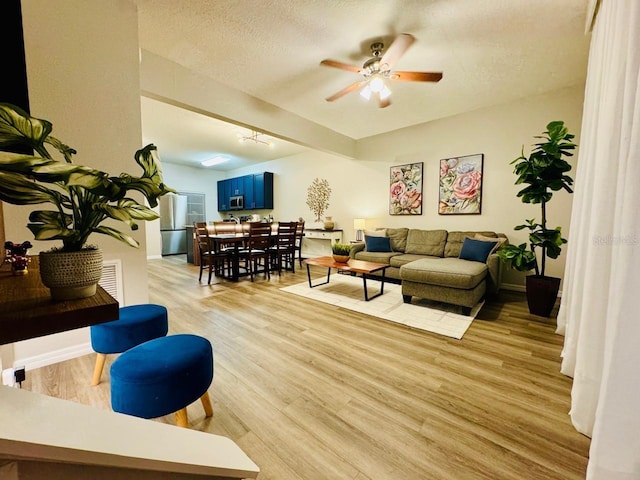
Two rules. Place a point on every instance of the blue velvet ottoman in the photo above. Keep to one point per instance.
(163, 376)
(137, 324)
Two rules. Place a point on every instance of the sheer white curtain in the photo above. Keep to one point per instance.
(600, 308)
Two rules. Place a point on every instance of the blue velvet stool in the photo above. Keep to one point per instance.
(137, 324)
(163, 376)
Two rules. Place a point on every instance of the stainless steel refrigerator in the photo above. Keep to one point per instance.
(173, 218)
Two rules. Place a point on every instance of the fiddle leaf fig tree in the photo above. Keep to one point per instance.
(543, 172)
(81, 198)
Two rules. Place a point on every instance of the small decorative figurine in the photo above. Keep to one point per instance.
(16, 255)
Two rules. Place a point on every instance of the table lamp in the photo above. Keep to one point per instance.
(358, 225)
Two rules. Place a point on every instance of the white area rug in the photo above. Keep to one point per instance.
(346, 291)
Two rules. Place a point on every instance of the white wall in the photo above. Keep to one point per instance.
(196, 180)
(360, 187)
(83, 75)
(355, 188)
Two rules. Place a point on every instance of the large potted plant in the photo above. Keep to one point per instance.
(82, 198)
(543, 172)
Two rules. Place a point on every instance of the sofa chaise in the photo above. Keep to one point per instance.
(458, 267)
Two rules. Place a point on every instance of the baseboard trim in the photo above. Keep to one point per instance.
(54, 356)
(519, 288)
(513, 287)
(154, 257)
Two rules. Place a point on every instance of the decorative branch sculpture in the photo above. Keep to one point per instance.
(318, 195)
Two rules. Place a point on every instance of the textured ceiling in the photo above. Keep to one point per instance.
(490, 52)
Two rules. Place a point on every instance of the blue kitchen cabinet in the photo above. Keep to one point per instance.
(237, 186)
(223, 199)
(249, 196)
(263, 190)
(256, 188)
(224, 192)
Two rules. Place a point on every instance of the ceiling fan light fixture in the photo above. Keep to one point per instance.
(385, 93)
(366, 92)
(377, 84)
(378, 68)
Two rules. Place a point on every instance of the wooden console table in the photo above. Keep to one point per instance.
(27, 310)
(318, 242)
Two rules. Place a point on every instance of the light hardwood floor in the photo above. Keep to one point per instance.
(311, 391)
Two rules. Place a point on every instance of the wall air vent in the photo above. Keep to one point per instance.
(111, 279)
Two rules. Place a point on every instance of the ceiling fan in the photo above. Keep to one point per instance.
(379, 68)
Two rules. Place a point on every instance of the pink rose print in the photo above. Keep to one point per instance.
(397, 190)
(411, 199)
(466, 186)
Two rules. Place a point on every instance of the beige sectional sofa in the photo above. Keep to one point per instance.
(427, 264)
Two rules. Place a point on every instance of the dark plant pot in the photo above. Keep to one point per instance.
(542, 293)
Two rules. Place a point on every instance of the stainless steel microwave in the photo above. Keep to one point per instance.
(236, 202)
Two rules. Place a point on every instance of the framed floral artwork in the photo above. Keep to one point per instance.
(461, 185)
(405, 189)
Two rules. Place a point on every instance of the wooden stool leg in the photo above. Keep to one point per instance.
(182, 420)
(206, 403)
(97, 371)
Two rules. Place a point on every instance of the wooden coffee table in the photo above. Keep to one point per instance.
(353, 266)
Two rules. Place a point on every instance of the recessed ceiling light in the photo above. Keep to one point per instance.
(214, 161)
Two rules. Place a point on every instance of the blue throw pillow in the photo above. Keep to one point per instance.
(476, 250)
(377, 244)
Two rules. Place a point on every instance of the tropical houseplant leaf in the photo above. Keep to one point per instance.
(82, 197)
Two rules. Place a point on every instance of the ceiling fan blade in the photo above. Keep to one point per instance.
(396, 50)
(416, 76)
(340, 65)
(382, 103)
(344, 91)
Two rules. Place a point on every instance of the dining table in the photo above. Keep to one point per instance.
(234, 240)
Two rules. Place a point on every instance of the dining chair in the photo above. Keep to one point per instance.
(257, 249)
(298, 242)
(226, 228)
(209, 256)
(283, 249)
